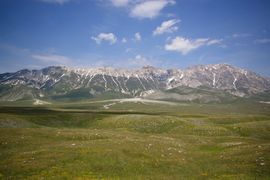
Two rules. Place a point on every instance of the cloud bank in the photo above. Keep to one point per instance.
(184, 45)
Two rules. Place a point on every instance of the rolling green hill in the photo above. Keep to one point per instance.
(136, 139)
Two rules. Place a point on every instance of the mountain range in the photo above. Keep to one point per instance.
(202, 83)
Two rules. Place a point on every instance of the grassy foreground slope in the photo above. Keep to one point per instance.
(135, 140)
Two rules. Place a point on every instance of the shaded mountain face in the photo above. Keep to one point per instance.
(73, 83)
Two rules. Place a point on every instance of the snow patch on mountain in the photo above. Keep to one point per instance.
(57, 80)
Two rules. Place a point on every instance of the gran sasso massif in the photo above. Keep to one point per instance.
(202, 83)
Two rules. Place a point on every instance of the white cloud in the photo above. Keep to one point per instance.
(52, 59)
(167, 27)
(214, 41)
(184, 45)
(242, 35)
(124, 40)
(120, 3)
(137, 36)
(262, 41)
(55, 1)
(138, 57)
(110, 37)
(149, 9)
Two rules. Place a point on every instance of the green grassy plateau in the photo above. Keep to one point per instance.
(134, 140)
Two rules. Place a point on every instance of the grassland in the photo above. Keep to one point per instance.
(132, 140)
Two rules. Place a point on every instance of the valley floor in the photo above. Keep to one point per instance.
(135, 140)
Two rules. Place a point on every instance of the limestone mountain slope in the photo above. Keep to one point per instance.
(58, 82)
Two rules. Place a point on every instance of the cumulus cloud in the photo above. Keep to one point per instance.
(110, 37)
(149, 9)
(120, 3)
(166, 27)
(124, 40)
(55, 1)
(52, 59)
(262, 41)
(137, 36)
(184, 45)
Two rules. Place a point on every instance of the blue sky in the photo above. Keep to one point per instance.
(131, 34)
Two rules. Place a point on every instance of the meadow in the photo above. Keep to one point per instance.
(134, 140)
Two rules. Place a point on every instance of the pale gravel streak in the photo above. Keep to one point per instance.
(140, 82)
(235, 79)
(55, 81)
(145, 79)
(105, 81)
(6, 78)
(182, 75)
(125, 83)
(153, 82)
(91, 77)
(117, 75)
(214, 79)
(149, 81)
(115, 82)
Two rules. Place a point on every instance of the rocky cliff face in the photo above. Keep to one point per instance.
(237, 81)
(60, 81)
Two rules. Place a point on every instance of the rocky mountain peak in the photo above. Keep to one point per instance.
(60, 80)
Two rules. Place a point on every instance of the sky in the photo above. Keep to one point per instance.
(134, 33)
